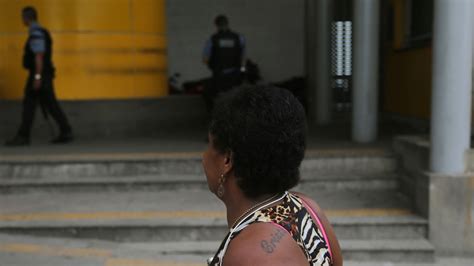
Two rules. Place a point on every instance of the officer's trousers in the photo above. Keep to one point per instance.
(46, 97)
(220, 83)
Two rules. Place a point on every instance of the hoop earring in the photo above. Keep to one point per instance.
(220, 188)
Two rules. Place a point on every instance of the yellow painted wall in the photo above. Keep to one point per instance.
(407, 71)
(103, 49)
(407, 82)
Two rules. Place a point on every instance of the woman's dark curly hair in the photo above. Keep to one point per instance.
(264, 128)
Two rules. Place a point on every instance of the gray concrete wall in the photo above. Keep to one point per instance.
(115, 118)
(274, 30)
(414, 152)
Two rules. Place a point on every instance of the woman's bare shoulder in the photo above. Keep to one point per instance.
(264, 244)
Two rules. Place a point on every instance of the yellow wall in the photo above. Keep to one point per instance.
(407, 71)
(407, 82)
(103, 49)
(399, 19)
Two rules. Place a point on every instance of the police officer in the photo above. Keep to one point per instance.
(37, 59)
(224, 54)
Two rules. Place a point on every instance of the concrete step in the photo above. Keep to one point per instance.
(188, 214)
(318, 162)
(346, 228)
(177, 200)
(46, 251)
(162, 182)
(27, 250)
(98, 184)
(126, 229)
(417, 251)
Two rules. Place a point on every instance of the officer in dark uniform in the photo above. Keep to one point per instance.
(224, 54)
(37, 59)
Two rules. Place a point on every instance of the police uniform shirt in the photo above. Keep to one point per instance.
(37, 38)
(208, 49)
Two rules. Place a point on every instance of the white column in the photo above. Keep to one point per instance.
(366, 69)
(451, 95)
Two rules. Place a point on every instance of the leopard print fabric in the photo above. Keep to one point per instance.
(292, 215)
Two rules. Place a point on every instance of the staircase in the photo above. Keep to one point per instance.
(159, 202)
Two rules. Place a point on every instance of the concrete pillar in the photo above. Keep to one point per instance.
(318, 41)
(451, 96)
(451, 213)
(323, 61)
(310, 33)
(366, 69)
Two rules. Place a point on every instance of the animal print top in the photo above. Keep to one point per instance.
(297, 218)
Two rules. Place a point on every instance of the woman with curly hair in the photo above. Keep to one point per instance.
(257, 140)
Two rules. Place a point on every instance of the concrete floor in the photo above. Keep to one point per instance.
(336, 136)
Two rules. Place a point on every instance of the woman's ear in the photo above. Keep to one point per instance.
(228, 162)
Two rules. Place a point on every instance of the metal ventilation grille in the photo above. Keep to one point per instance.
(341, 59)
(341, 48)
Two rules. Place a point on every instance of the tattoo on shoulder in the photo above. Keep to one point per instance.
(270, 245)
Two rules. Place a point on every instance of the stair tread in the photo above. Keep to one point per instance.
(176, 199)
(155, 253)
(61, 156)
(182, 206)
(385, 244)
(165, 219)
(163, 178)
(170, 178)
(346, 245)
